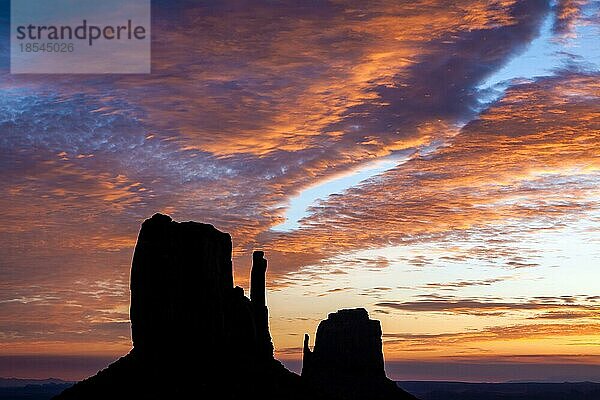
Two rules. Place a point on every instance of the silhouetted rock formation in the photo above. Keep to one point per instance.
(259, 303)
(181, 286)
(195, 335)
(347, 361)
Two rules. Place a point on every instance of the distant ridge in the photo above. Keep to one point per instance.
(437, 390)
(31, 389)
(20, 382)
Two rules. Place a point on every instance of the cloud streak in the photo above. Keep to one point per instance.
(494, 307)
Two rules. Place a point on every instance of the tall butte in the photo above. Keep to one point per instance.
(195, 334)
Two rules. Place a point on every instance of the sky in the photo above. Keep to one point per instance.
(436, 162)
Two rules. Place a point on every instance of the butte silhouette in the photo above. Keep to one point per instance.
(195, 334)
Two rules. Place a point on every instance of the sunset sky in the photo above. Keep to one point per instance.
(436, 162)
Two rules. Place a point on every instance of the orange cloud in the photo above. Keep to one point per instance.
(519, 161)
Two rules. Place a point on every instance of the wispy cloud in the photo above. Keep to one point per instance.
(493, 306)
(530, 331)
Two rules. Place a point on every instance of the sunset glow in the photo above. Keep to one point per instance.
(435, 163)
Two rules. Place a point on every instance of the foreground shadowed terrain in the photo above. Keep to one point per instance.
(196, 334)
(503, 391)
